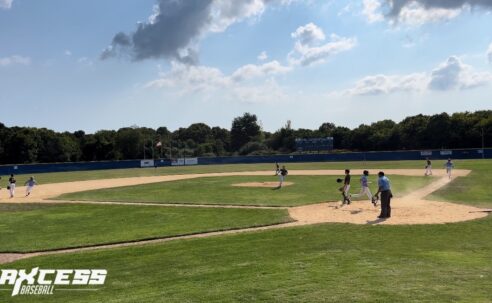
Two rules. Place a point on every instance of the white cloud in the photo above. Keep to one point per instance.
(372, 11)
(191, 78)
(308, 34)
(347, 9)
(418, 12)
(67, 52)
(206, 81)
(224, 13)
(268, 92)
(454, 74)
(6, 4)
(450, 75)
(85, 61)
(15, 59)
(489, 53)
(309, 48)
(415, 14)
(250, 71)
(386, 84)
(262, 56)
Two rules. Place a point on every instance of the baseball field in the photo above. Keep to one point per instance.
(225, 233)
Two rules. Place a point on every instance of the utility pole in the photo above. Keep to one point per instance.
(483, 144)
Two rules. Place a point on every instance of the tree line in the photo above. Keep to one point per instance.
(245, 137)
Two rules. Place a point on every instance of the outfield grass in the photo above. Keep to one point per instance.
(321, 263)
(475, 189)
(46, 178)
(32, 227)
(219, 190)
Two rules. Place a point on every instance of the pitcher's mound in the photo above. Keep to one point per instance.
(262, 184)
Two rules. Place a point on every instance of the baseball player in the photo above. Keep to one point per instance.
(277, 169)
(11, 186)
(449, 167)
(365, 187)
(428, 168)
(282, 174)
(346, 188)
(30, 185)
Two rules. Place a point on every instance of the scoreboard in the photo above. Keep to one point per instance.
(314, 144)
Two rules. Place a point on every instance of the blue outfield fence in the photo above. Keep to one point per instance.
(361, 156)
(333, 157)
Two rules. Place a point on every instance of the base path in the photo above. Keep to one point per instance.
(410, 209)
(263, 184)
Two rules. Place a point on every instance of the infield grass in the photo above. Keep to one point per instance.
(33, 227)
(219, 190)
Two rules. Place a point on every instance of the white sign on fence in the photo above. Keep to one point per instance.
(426, 153)
(446, 152)
(184, 161)
(147, 163)
(191, 161)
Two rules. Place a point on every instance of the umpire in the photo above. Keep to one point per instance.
(384, 187)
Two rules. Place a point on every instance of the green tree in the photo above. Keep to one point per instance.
(244, 129)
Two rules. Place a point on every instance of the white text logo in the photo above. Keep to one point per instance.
(43, 281)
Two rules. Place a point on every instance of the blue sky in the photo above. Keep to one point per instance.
(90, 65)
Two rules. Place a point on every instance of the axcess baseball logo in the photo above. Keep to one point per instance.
(43, 281)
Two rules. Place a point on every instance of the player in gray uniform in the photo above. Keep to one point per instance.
(364, 187)
(449, 167)
(30, 185)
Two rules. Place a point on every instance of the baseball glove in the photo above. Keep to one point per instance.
(339, 180)
(8, 187)
(375, 200)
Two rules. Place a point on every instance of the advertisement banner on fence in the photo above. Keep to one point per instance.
(426, 153)
(184, 161)
(446, 152)
(147, 163)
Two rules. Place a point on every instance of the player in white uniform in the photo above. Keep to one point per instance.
(281, 176)
(449, 167)
(11, 186)
(428, 168)
(30, 185)
(364, 186)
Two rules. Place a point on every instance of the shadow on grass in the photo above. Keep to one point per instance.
(377, 221)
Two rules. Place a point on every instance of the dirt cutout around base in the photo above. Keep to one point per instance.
(410, 209)
(263, 184)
